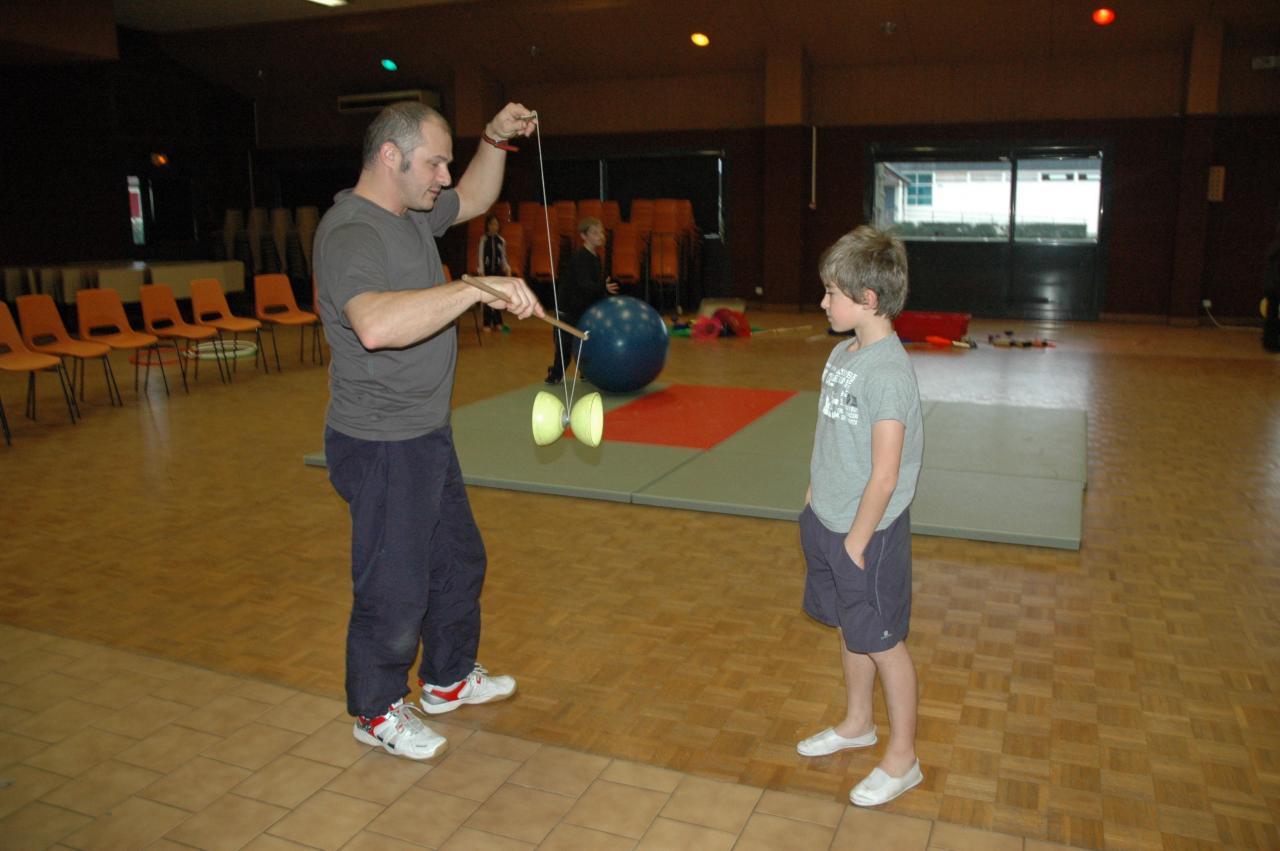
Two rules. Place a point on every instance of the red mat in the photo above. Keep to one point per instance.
(690, 415)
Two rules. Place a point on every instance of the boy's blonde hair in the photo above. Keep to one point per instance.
(868, 259)
(586, 223)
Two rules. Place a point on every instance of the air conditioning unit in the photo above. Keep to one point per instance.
(1265, 63)
(375, 101)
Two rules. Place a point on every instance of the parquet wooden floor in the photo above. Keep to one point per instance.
(1122, 696)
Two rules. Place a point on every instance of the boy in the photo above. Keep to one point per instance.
(855, 529)
(582, 284)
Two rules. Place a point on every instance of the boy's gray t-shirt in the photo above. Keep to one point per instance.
(388, 394)
(859, 389)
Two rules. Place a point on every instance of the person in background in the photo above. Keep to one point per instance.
(492, 260)
(582, 285)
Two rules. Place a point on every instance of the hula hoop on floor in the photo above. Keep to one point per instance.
(214, 349)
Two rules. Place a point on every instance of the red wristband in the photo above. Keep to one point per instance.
(502, 146)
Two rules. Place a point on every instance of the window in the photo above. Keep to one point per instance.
(919, 189)
(1057, 198)
(966, 201)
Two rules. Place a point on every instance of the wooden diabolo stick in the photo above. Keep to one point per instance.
(550, 320)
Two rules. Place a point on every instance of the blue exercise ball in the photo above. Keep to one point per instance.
(627, 345)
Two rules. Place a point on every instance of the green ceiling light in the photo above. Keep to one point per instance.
(389, 64)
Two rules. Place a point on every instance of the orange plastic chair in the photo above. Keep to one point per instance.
(102, 320)
(566, 220)
(544, 260)
(274, 305)
(642, 218)
(16, 357)
(536, 220)
(610, 214)
(43, 331)
(625, 267)
(209, 307)
(664, 266)
(526, 210)
(161, 317)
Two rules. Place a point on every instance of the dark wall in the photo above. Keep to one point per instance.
(774, 240)
(1244, 224)
(71, 135)
(1148, 189)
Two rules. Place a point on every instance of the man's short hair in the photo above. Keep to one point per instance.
(586, 223)
(868, 259)
(399, 123)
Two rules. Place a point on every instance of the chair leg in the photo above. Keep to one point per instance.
(275, 348)
(317, 344)
(182, 367)
(109, 376)
(155, 347)
(219, 358)
(31, 395)
(69, 393)
(259, 351)
(225, 359)
(77, 372)
(235, 342)
(4, 421)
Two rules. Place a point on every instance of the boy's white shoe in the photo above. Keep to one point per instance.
(400, 732)
(829, 742)
(879, 787)
(476, 687)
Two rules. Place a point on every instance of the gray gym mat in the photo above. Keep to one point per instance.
(991, 472)
(1047, 443)
(494, 453)
(1001, 508)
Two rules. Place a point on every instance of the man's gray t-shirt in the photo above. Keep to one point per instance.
(859, 389)
(388, 394)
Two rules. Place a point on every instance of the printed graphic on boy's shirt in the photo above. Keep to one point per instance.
(839, 402)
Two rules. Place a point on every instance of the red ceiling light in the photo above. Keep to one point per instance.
(1103, 16)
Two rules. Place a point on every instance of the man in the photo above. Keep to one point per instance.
(417, 559)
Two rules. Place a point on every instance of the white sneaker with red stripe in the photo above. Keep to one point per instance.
(400, 732)
(478, 687)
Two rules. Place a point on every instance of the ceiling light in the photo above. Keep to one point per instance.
(329, 2)
(699, 39)
(1103, 16)
(389, 64)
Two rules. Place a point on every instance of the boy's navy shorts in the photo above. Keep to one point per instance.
(871, 606)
